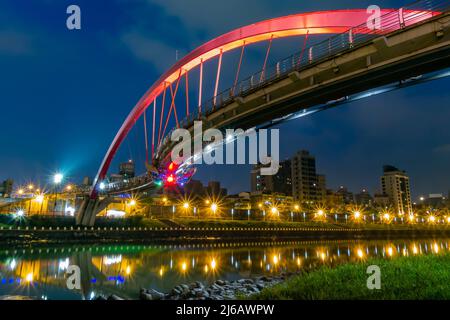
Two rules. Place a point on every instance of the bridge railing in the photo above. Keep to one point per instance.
(395, 20)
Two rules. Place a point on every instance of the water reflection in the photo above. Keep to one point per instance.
(123, 270)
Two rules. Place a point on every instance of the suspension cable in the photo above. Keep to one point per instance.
(265, 60)
(236, 79)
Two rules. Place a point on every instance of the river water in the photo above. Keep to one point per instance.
(41, 272)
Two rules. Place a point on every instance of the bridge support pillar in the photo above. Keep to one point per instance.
(89, 209)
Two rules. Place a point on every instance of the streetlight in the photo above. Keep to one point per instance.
(57, 179)
(186, 207)
(214, 208)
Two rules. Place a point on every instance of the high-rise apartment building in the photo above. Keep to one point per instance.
(395, 184)
(305, 185)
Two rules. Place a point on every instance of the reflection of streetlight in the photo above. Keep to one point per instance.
(29, 277)
(360, 253)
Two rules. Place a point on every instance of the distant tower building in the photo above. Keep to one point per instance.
(126, 169)
(347, 196)
(86, 181)
(395, 184)
(304, 178)
(363, 198)
(281, 182)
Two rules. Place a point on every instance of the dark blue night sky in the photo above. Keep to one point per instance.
(64, 94)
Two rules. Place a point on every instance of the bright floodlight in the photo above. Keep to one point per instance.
(57, 179)
(102, 186)
(274, 210)
(357, 215)
(186, 205)
(132, 203)
(20, 213)
(214, 207)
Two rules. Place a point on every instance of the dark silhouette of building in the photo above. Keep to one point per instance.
(127, 169)
(6, 188)
(363, 198)
(281, 182)
(347, 196)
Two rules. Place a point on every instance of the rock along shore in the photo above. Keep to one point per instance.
(219, 290)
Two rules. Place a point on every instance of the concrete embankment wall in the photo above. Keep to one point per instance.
(206, 234)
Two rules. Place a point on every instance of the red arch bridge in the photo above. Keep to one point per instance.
(362, 56)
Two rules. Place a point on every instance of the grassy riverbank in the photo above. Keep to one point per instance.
(403, 278)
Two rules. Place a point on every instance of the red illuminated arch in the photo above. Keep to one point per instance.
(323, 22)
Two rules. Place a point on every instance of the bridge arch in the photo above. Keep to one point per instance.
(322, 22)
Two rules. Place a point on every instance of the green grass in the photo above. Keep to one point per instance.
(405, 278)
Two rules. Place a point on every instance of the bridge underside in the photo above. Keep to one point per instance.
(89, 209)
(404, 54)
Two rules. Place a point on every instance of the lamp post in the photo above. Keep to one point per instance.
(57, 179)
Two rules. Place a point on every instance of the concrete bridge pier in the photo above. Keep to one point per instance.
(89, 209)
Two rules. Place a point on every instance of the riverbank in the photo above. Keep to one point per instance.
(402, 278)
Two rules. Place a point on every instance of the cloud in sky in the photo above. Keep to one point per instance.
(442, 149)
(148, 49)
(15, 43)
